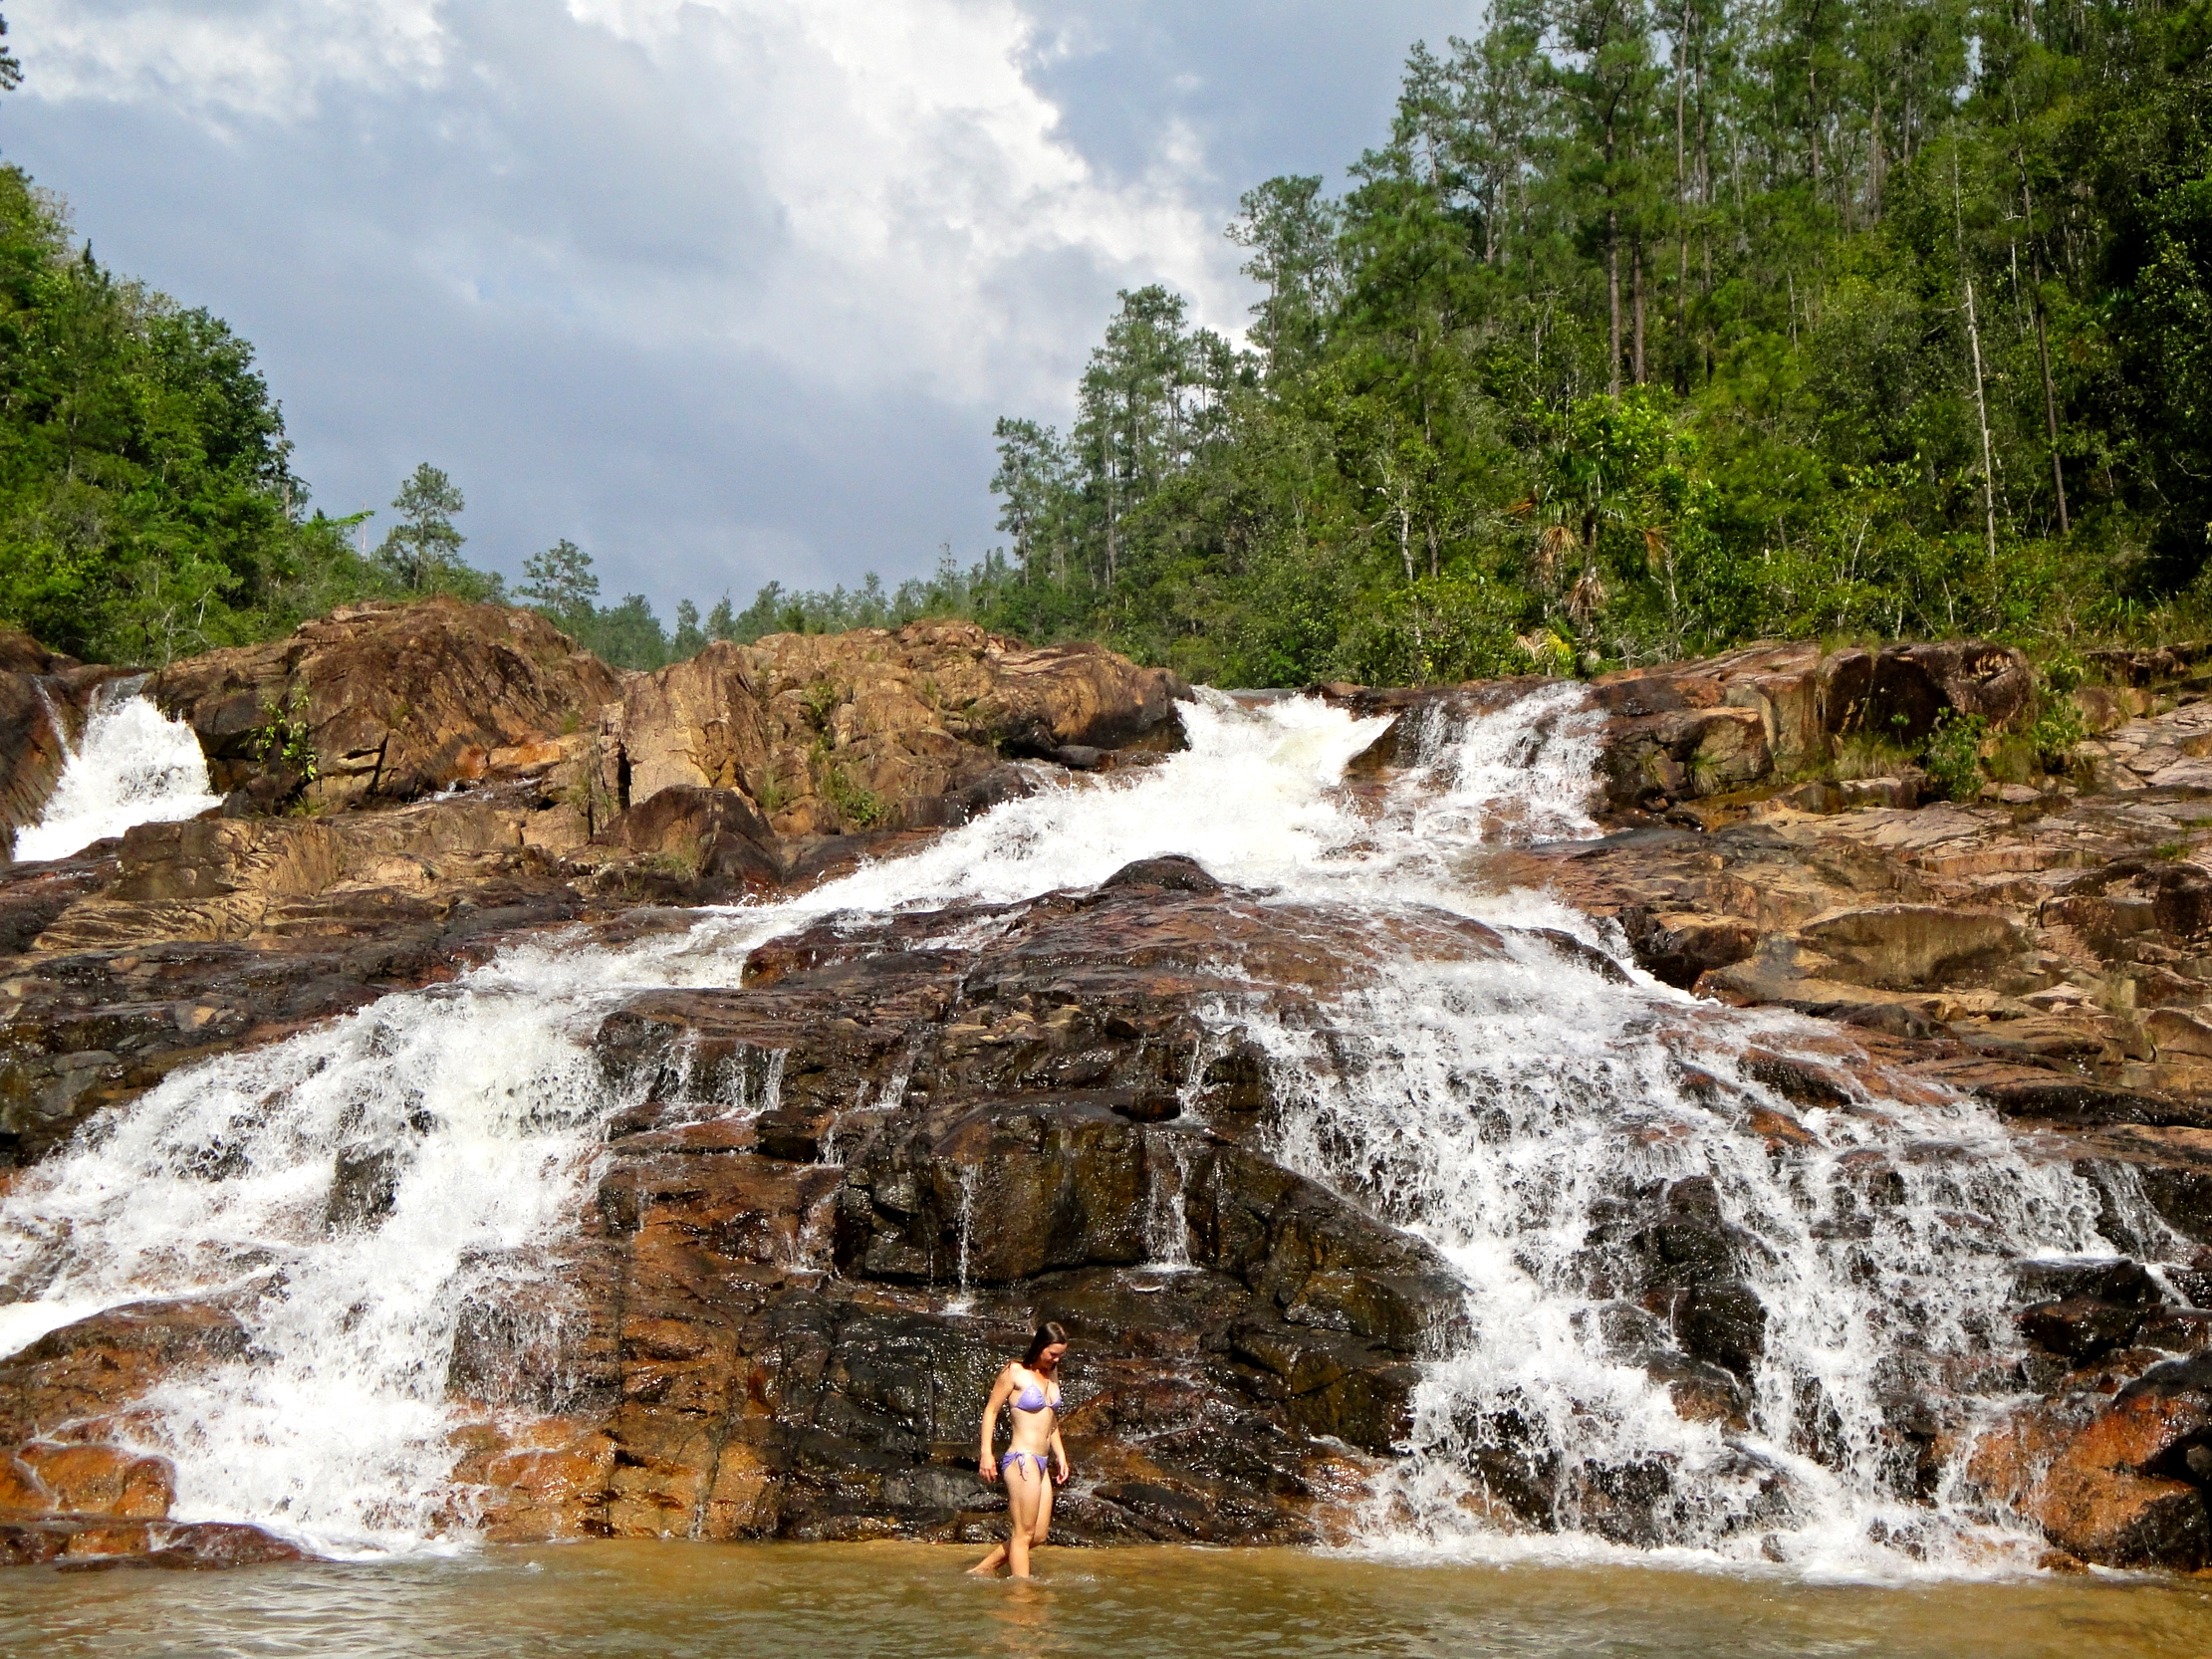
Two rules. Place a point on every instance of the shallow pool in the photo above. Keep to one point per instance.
(798, 1601)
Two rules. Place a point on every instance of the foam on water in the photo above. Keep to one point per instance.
(1501, 1109)
(133, 765)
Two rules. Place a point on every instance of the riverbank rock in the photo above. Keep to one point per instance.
(69, 1495)
(818, 736)
(392, 701)
(1761, 715)
(876, 728)
(92, 1542)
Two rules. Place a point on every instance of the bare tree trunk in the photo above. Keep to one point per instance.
(1635, 277)
(2051, 418)
(1705, 219)
(1681, 214)
(2042, 351)
(1974, 343)
(1813, 128)
(1613, 295)
(1981, 413)
(1875, 172)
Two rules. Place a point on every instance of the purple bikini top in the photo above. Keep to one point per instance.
(1034, 1398)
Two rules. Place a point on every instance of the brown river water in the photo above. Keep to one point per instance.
(639, 1600)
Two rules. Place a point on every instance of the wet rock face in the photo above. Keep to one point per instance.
(1688, 730)
(75, 1379)
(100, 1541)
(196, 938)
(850, 1188)
(565, 792)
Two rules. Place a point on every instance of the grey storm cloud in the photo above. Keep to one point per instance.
(724, 290)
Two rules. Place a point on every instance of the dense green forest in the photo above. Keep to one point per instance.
(148, 508)
(148, 505)
(1658, 326)
(1649, 329)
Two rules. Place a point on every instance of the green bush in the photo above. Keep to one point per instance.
(285, 738)
(1953, 757)
(2058, 728)
(860, 808)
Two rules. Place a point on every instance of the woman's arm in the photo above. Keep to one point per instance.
(1060, 1451)
(985, 1464)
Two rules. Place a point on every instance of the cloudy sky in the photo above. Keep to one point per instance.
(725, 290)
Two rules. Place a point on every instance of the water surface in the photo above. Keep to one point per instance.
(657, 1600)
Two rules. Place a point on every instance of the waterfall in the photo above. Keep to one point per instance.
(1506, 1111)
(133, 765)
(349, 1193)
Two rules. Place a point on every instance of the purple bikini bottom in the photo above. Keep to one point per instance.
(1044, 1472)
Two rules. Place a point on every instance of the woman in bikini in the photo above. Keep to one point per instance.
(1031, 1386)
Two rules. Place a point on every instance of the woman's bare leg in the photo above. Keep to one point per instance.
(1042, 1531)
(991, 1562)
(1024, 1494)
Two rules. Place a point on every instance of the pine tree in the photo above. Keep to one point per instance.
(423, 545)
(560, 583)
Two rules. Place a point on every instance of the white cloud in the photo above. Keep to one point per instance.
(871, 193)
(274, 58)
(724, 290)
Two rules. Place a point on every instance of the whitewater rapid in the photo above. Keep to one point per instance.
(1495, 1107)
(132, 765)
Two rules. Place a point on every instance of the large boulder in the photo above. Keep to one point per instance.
(1901, 946)
(89, 1371)
(2121, 1483)
(69, 1479)
(695, 724)
(94, 1541)
(878, 729)
(713, 838)
(393, 700)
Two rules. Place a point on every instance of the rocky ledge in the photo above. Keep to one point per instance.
(408, 788)
(777, 1320)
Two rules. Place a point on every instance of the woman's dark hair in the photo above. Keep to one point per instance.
(1048, 1334)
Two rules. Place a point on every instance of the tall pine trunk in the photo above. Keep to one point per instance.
(1613, 296)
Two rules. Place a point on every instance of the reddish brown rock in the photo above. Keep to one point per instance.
(69, 1540)
(84, 1372)
(695, 724)
(395, 700)
(2118, 1488)
(86, 1479)
(712, 841)
(875, 729)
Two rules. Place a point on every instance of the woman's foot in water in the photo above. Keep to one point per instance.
(989, 1565)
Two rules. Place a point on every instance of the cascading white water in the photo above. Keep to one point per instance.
(133, 765)
(1498, 1107)
(1504, 1109)
(1521, 773)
